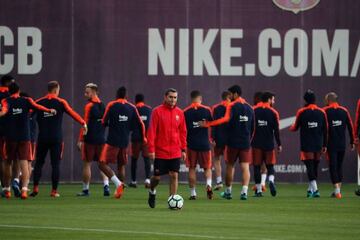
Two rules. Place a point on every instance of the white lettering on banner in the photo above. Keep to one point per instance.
(317, 52)
(29, 56)
(291, 168)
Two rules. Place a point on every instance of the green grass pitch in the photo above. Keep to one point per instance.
(288, 216)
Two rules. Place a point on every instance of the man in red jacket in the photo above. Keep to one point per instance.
(166, 142)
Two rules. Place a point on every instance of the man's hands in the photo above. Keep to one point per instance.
(53, 111)
(352, 147)
(202, 124)
(79, 145)
(152, 156)
(324, 149)
(85, 127)
(183, 155)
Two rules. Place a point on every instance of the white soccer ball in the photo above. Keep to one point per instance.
(175, 202)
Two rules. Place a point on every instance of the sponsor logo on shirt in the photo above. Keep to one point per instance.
(243, 118)
(123, 118)
(312, 124)
(336, 123)
(177, 117)
(16, 111)
(262, 123)
(196, 124)
(47, 114)
(143, 117)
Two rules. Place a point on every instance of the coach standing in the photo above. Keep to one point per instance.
(166, 142)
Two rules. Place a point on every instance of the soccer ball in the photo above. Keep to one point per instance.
(175, 202)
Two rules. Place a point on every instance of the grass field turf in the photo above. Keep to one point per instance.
(288, 216)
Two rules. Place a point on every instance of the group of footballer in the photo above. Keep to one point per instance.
(199, 135)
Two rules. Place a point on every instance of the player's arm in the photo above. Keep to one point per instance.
(357, 122)
(39, 107)
(151, 134)
(4, 108)
(252, 126)
(296, 124)
(183, 133)
(350, 127)
(140, 124)
(224, 119)
(325, 130)
(74, 115)
(277, 130)
(87, 111)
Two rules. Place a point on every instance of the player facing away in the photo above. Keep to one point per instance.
(338, 119)
(50, 137)
(219, 137)
(121, 117)
(92, 143)
(240, 118)
(4, 93)
(311, 120)
(357, 135)
(137, 145)
(167, 143)
(257, 102)
(18, 146)
(263, 147)
(198, 143)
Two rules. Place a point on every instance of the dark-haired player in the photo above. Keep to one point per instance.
(219, 136)
(137, 145)
(263, 147)
(50, 137)
(311, 120)
(18, 145)
(4, 93)
(240, 118)
(92, 143)
(167, 143)
(122, 118)
(198, 143)
(339, 119)
(357, 135)
(257, 102)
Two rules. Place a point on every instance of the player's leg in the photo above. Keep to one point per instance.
(264, 173)
(24, 167)
(173, 182)
(56, 150)
(7, 166)
(86, 176)
(231, 157)
(41, 151)
(147, 165)
(192, 183)
(270, 160)
(105, 180)
(218, 152)
(122, 159)
(159, 168)
(316, 162)
(245, 179)
(15, 183)
(135, 152)
(110, 154)
(340, 159)
(332, 158)
(257, 165)
(87, 155)
(191, 160)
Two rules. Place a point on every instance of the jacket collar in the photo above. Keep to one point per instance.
(4, 89)
(334, 105)
(140, 104)
(121, 100)
(95, 99)
(51, 95)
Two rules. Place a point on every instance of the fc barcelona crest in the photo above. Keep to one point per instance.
(296, 5)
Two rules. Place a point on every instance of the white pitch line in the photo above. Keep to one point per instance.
(117, 231)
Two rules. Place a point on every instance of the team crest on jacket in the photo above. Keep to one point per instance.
(177, 117)
(296, 5)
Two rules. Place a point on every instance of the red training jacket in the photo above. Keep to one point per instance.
(167, 132)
